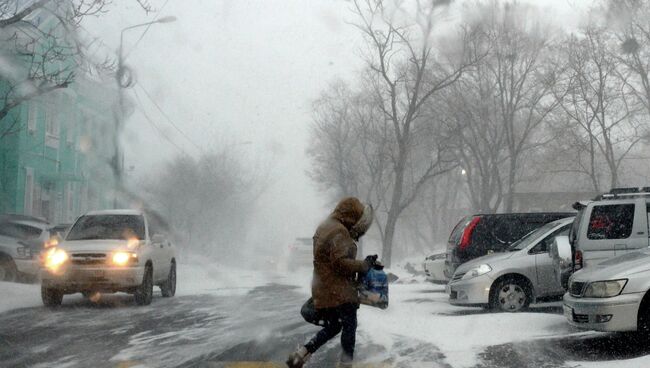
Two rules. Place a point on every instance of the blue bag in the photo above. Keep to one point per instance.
(373, 289)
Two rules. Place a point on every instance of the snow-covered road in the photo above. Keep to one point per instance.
(224, 316)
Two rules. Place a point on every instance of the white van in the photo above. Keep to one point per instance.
(614, 225)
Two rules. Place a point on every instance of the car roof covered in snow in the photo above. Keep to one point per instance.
(114, 212)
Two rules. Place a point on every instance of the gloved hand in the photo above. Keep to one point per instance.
(371, 261)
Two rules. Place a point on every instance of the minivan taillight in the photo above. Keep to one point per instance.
(578, 263)
(466, 239)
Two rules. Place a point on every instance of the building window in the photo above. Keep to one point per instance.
(69, 199)
(52, 123)
(31, 118)
(29, 191)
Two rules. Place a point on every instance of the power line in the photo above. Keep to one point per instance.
(151, 122)
(146, 29)
(168, 118)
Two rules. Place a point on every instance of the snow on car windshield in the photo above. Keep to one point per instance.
(107, 227)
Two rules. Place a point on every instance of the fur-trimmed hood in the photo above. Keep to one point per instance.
(348, 212)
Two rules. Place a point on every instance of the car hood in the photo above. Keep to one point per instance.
(489, 259)
(617, 267)
(101, 245)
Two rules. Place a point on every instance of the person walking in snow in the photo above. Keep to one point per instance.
(334, 285)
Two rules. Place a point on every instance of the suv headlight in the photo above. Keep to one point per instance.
(55, 258)
(477, 271)
(604, 289)
(124, 258)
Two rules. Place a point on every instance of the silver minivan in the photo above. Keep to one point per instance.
(511, 280)
(614, 224)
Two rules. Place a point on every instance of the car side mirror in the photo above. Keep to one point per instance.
(158, 239)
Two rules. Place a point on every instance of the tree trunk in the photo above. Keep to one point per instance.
(395, 209)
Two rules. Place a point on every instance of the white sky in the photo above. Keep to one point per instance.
(235, 71)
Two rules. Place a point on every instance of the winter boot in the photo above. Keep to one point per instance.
(298, 358)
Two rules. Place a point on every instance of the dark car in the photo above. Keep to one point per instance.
(481, 234)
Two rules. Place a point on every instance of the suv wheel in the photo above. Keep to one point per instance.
(510, 295)
(144, 292)
(8, 271)
(168, 288)
(51, 297)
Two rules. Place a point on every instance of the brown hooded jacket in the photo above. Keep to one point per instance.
(335, 264)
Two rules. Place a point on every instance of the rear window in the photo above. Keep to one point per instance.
(20, 231)
(613, 221)
(457, 232)
(108, 227)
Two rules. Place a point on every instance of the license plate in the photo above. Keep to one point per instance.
(98, 273)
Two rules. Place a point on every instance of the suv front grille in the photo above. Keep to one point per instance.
(458, 276)
(86, 259)
(576, 288)
(580, 318)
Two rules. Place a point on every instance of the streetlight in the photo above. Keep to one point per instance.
(124, 79)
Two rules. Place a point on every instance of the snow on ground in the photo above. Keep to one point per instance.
(198, 275)
(422, 312)
(14, 295)
(626, 363)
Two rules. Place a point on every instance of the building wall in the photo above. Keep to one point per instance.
(57, 165)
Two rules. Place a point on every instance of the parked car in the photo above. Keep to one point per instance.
(301, 253)
(434, 268)
(478, 235)
(615, 296)
(60, 230)
(614, 224)
(22, 238)
(509, 281)
(110, 251)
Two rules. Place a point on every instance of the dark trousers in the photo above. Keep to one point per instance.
(342, 318)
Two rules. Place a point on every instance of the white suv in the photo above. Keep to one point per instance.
(110, 251)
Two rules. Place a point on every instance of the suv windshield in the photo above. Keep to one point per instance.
(107, 227)
(530, 237)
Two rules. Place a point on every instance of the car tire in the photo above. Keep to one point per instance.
(51, 297)
(510, 294)
(144, 293)
(168, 288)
(8, 270)
(643, 317)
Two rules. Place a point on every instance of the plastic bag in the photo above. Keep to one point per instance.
(373, 289)
(311, 314)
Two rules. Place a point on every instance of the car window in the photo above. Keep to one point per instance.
(107, 227)
(544, 245)
(457, 232)
(612, 221)
(531, 237)
(20, 231)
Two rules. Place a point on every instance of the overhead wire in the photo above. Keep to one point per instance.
(146, 29)
(169, 119)
(155, 126)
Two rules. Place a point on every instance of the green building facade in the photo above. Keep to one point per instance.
(55, 161)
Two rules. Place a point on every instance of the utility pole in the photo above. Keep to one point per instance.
(124, 80)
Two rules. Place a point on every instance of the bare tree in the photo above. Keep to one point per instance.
(42, 49)
(518, 44)
(597, 99)
(405, 74)
(631, 21)
(212, 211)
(472, 120)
